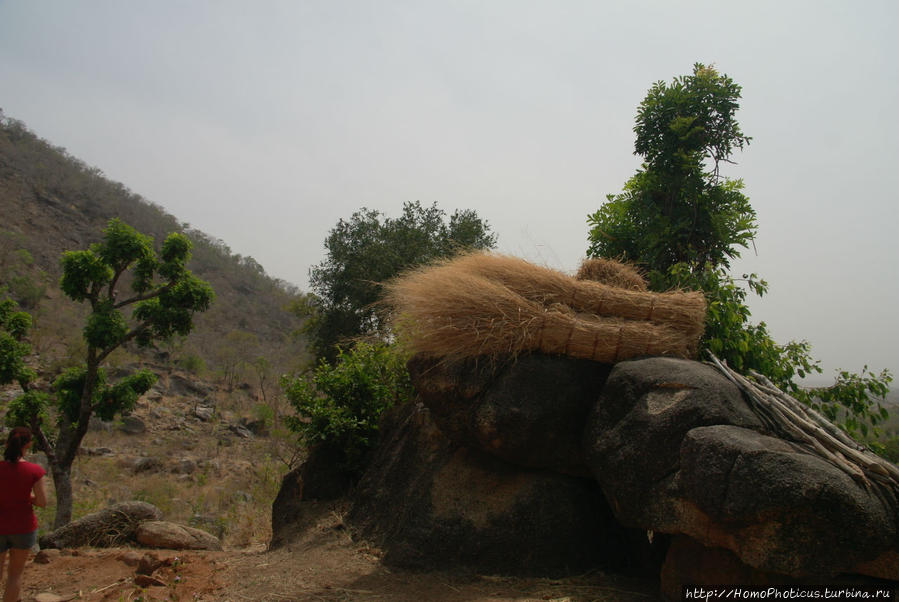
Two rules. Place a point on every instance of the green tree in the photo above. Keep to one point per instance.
(164, 297)
(682, 222)
(369, 249)
(338, 406)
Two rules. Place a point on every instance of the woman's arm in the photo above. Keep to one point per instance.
(39, 493)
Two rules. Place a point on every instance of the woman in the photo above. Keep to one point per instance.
(21, 486)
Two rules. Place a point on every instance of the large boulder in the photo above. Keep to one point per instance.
(633, 435)
(677, 450)
(779, 508)
(110, 527)
(431, 503)
(529, 411)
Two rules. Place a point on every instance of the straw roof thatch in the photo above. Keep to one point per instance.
(490, 304)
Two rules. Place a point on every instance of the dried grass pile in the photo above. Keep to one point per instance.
(611, 272)
(489, 304)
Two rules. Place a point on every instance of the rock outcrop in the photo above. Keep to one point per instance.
(677, 450)
(547, 465)
(429, 502)
(529, 412)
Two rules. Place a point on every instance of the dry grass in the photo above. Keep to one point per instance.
(613, 273)
(487, 304)
(229, 493)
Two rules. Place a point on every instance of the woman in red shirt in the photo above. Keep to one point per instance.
(21, 487)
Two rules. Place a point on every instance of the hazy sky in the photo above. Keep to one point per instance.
(262, 123)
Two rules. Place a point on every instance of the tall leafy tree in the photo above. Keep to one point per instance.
(163, 299)
(369, 249)
(681, 221)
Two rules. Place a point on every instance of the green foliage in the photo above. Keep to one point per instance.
(69, 388)
(84, 272)
(368, 250)
(890, 450)
(106, 326)
(122, 396)
(675, 210)
(191, 362)
(107, 400)
(340, 404)
(682, 223)
(29, 408)
(14, 327)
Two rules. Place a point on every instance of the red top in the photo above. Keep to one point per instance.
(16, 480)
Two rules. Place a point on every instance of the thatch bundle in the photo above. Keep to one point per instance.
(487, 304)
(611, 272)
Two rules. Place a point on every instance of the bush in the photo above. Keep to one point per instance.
(338, 406)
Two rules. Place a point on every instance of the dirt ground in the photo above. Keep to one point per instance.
(323, 564)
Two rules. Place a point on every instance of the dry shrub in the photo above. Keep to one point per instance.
(487, 304)
(613, 273)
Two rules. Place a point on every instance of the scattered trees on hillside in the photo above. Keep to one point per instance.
(682, 222)
(164, 297)
(369, 249)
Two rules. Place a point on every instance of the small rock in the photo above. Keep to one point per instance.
(185, 466)
(46, 556)
(129, 557)
(133, 425)
(48, 597)
(257, 427)
(147, 465)
(148, 581)
(204, 413)
(148, 563)
(162, 534)
(241, 431)
(97, 426)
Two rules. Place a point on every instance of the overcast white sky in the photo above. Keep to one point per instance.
(262, 123)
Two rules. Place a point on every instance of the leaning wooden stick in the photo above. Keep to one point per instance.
(789, 418)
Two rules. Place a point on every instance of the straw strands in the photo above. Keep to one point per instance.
(611, 272)
(488, 304)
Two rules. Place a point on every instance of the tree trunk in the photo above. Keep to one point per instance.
(62, 481)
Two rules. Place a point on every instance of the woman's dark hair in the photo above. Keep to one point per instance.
(19, 437)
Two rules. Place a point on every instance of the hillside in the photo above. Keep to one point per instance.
(52, 202)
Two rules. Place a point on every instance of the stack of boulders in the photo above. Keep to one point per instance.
(548, 465)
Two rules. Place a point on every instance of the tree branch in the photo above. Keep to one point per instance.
(144, 297)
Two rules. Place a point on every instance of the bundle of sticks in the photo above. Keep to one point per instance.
(490, 304)
(792, 420)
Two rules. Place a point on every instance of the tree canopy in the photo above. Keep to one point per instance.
(369, 249)
(677, 209)
(682, 222)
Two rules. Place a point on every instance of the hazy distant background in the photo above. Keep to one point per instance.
(263, 123)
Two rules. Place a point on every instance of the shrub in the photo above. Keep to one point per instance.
(338, 406)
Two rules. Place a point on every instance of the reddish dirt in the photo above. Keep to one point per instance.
(324, 564)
